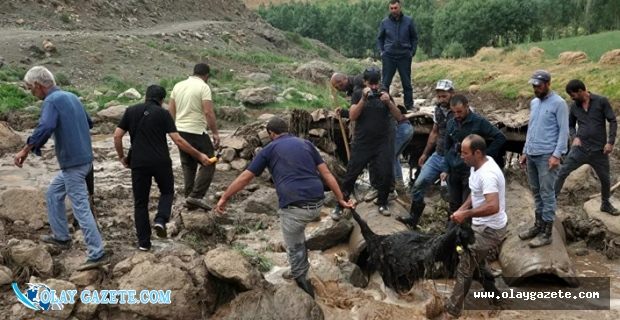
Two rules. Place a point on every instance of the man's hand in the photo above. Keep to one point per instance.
(220, 208)
(365, 92)
(576, 142)
(350, 204)
(522, 161)
(385, 98)
(443, 176)
(204, 160)
(459, 216)
(124, 162)
(422, 159)
(553, 162)
(608, 148)
(216, 140)
(20, 158)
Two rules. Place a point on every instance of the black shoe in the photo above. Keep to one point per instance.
(61, 244)
(93, 264)
(160, 230)
(195, 202)
(141, 248)
(606, 206)
(544, 237)
(384, 210)
(532, 231)
(305, 285)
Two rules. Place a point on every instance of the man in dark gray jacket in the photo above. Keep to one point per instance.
(397, 42)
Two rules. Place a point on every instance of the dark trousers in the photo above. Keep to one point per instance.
(579, 156)
(458, 188)
(141, 179)
(196, 186)
(403, 65)
(379, 157)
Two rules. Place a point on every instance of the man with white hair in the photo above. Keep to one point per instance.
(63, 115)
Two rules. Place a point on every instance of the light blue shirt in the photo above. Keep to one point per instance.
(547, 130)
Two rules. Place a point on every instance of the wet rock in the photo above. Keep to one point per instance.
(6, 275)
(234, 142)
(592, 209)
(264, 200)
(293, 303)
(85, 278)
(114, 113)
(228, 154)
(329, 234)
(160, 275)
(130, 93)
(9, 140)
(256, 96)
(229, 265)
(86, 311)
(580, 179)
(353, 274)
(25, 253)
(223, 167)
(258, 77)
(315, 70)
(24, 203)
(199, 222)
(239, 164)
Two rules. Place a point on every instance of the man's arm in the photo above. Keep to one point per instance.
(356, 110)
(331, 182)
(118, 146)
(613, 123)
(413, 33)
(381, 38)
(237, 185)
(572, 125)
(392, 106)
(172, 108)
(45, 128)
(489, 207)
(186, 147)
(207, 108)
(562, 120)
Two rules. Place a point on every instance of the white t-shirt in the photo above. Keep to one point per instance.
(488, 179)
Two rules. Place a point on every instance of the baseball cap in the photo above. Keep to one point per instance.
(539, 77)
(372, 75)
(444, 85)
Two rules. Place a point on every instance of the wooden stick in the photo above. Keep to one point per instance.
(342, 130)
(615, 186)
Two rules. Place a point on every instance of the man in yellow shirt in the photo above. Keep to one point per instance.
(191, 107)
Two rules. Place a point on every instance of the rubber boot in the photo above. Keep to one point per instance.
(305, 285)
(532, 231)
(415, 213)
(544, 237)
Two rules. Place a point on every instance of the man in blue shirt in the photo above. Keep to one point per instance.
(397, 42)
(545, 143)
(63, 115)
(297, 168)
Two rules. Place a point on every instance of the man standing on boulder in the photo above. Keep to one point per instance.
(63, 115)
(191, 107)
(591, 144)
(545, 143)
(397, 43)
(297, 168)
(148, 123)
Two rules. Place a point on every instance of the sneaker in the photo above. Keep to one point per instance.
(93, 264)
(384, 210)
(61, 244)
(371, 195)
(195, 202)
(606, 206)
(141, 248)
(336, 213)
(160, 230)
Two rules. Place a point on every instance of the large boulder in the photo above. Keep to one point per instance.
(256, 96)
(27, 254)
(581, 179)
(9, 140)
(572, 57)
(229, 265)
(130, 93)
(58, 286)
(328, 234)
(26, 204)
(263, 200)
(592, 209)
(114, 113)
(160, 275)
(315, 70)
(610, 57)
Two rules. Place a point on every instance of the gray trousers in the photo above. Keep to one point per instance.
(293, 222)
(579, 156)
(471, 260)
(196, 186)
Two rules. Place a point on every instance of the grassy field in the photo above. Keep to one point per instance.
(593, 45)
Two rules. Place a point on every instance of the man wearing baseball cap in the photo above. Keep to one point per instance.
(545, 143)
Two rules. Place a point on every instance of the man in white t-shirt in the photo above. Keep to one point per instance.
(191, 108)
(486, 207)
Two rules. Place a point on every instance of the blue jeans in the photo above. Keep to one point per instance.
(402, 136)
(72, 182)
(430, 172)
(542, 181)
(403, 65)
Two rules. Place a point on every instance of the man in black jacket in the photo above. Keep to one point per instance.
(148, 123)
